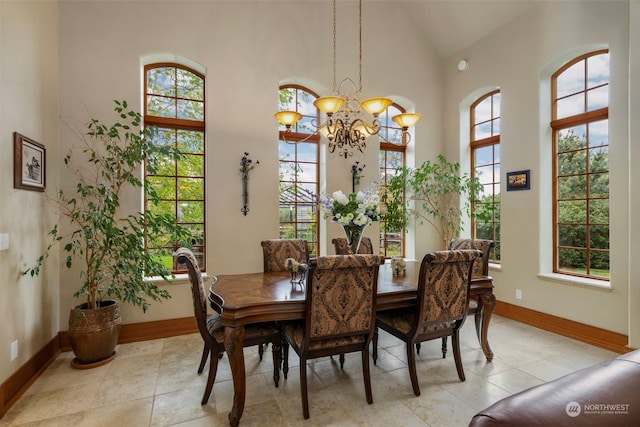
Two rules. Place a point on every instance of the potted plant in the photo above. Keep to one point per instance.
(106, 242)
(435, 193)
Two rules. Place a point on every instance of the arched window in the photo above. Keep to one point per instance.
(174, 103)
(298, 153)
(580, 124)
(485, 165)
(393, 146)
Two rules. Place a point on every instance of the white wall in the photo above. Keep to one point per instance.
(247, 48)
(28, 105)
(516, 58)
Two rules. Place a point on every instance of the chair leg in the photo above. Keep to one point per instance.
(413, 374)
(366, 373)
(203, 360)
(455, 342)
(277, 361)
(303, 388)
(285, 358)
(260, 351)
(418, 347)
(213, 369)
(375, 345)
(444, 347)
(341, 359)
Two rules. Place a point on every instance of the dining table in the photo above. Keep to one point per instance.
(243, 299)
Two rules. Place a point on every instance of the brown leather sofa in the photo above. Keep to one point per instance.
(606, 394)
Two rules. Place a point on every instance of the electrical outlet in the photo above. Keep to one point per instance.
(14, 350)
(518, 293)
(4, 241)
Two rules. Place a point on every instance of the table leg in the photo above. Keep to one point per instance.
(487, 302)
(233, 338)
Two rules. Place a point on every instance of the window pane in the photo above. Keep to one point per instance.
(190, 110)
(599, 211)
(599, 236)
(599, 133)
(599, 264)
(190, 211)
(164, 187)
(191, 141)
(483, 111)
(599, 185)
(161, 81)
(307, 152)
(572, 138)
(161, 107)
(598, 70)
(572, 187)
(484, 174)
(572, 162)
(482, 130)
(572, 212)
(191, 188)
(570, 106)
(597, 98)
(572, 235)
(571, 80)
(483, 156)
(190, 165)
(189, 85)
(573, 260)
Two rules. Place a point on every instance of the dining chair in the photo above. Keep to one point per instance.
(342, 246)
(481, 290)
(339, 315)
(440, 311)
(274, 255)
(212, 330)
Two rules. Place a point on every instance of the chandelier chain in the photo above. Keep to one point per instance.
(360, 43)
(334, 47)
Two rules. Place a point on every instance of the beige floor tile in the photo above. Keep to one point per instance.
(155, 383)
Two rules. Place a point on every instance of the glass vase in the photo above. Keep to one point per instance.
(354, 234)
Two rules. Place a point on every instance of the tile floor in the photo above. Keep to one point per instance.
(154, 383)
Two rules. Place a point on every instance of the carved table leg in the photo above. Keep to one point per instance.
(488, 302)
(233, 338)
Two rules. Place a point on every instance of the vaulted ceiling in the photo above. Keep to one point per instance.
(452, 25)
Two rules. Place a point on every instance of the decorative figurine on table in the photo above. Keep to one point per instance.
(398, 266)
(298, 271)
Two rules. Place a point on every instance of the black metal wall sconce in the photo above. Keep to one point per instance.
(246, 165)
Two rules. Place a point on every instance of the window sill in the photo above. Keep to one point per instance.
(576, 281)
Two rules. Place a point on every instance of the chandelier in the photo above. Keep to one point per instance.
(346, 126)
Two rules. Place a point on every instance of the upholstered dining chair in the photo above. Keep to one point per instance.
(339, 316)
(274, 255)
(212, 331)
(481, 290)
(440, 311)
(342, 246)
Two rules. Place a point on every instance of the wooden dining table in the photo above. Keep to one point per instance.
(243, 299)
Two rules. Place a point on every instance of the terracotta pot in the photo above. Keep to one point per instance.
(93, 333)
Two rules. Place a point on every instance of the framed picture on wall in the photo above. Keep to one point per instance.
(518, 180)
(29, 164)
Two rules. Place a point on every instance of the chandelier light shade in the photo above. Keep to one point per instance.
(406, 120)
(288, 118)
(347, 126)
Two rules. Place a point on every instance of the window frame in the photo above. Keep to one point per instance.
(294, 136)
(492, 140)
(559, 124)
(176, 124)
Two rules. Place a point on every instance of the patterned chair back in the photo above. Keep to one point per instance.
(276, 251)
(342, 247)
(185, 256)
(443, 288)
(341, 296)
(481, 266)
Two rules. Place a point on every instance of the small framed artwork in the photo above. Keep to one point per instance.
(29, 164)
(518, 180)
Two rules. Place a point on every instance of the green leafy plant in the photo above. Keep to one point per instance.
(435, 193)
(107, 243)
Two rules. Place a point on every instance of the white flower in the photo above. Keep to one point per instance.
(361, 219)
(359, 196)
(340, 197)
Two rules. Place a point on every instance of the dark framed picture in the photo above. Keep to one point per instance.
(29, 164)
(518, 180)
